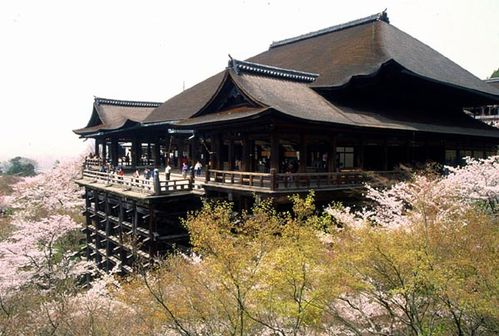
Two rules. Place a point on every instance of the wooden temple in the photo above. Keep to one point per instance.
(324, 111)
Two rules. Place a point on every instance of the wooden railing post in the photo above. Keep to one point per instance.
(207, 176)
(273, 179)
(156, 184)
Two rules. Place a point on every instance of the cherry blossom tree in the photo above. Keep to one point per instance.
(35, 255)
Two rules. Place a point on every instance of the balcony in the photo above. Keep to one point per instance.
(294, 182)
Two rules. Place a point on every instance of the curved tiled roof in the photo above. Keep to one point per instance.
(112, 114)
(188, 102)
(297, 100)
(362, 50)
(338, 54)
(494, 81)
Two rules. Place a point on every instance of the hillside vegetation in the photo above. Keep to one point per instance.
(421, 259)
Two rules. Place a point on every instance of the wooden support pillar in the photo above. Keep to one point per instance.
(231, 155)
(107, 230)
(360, 154)
(88, 222)
(152, 230)
(136, 152)
(121, 215)
(104, 150)
(246, 154)
(98, 257)
(274, 151)
(195, 151)
(303, 153)
(218, 152)
(149, 153)
(96, 150)
(331, 155)
(114, 152)
(135, 223)
(157, 154)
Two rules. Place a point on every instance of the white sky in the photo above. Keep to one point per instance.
(56, 55)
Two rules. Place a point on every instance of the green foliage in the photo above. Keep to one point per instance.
(495, 74)
(20, 166)
(300, 272)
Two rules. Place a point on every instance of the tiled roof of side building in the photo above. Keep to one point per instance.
(494, 81)
(112, 114)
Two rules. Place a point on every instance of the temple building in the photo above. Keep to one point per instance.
(325, 111)
(489, 114)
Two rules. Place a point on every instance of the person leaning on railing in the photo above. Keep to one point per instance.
(168, 170)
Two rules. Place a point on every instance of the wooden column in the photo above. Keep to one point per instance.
(152, 230)
(360, 155)
(96, 151)
(136, 152)
(88, 221)
(157, 154)
(303, 153)
(331, 155)
(107, 229)
(114, 152)
(135, 223)
(274, 151)
(121, 215)
(231, 155)
(149, 153)
(104, 150)
(218, 152)
(246, 164)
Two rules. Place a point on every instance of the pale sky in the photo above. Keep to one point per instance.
(57, 55)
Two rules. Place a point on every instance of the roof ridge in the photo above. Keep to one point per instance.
(271, 71)
(118, 102)
(492, 80)
(382, 16)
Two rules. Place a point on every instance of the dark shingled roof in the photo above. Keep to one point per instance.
(297, 100)
(185, 104)
(112, 114)
(361, 50)
(494, 81)
(357, 48)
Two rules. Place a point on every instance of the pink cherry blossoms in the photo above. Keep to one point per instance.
(44, 209)
(54, 190)
(395, 207)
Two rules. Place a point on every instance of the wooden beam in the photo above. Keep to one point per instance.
(104, 150)
(157, 154)
(274, 150)
(246, 164)
(303, 153)
(231, 154)
(96, 150)
(114, 152)
(331, 155)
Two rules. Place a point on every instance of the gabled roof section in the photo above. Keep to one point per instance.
(188, 102)
(271, 93)
(356, 49)
(271, 71)
(494, 81)
(361, 48)
(113, 114)
(270, 88)
(383, 16)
